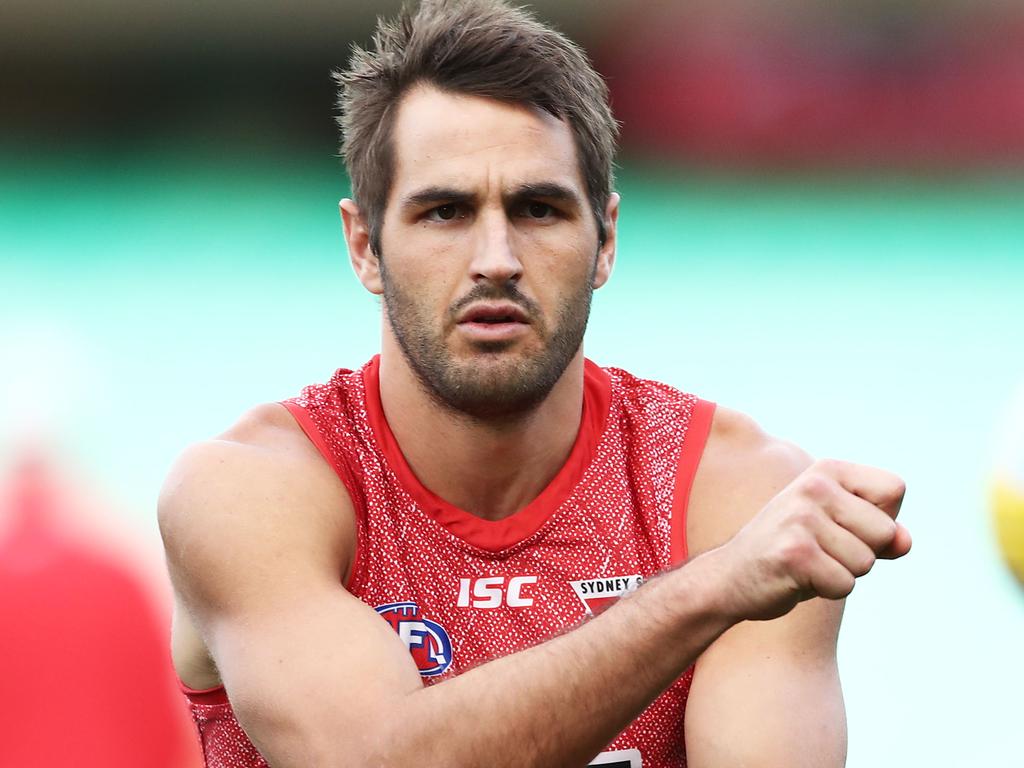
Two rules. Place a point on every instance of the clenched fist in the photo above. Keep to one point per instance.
(813, 539)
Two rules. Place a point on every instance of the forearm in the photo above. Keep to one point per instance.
(561, 702)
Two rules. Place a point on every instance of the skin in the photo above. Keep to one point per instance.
(259, 531)
(497, 150)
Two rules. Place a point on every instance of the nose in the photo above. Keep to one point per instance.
(494, 256)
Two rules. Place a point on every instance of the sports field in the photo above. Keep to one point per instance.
(149, 297)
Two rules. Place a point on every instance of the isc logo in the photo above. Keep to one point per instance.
(495, 591)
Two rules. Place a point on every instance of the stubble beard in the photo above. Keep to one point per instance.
(494, 385)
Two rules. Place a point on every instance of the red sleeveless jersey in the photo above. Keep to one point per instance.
(459, 590)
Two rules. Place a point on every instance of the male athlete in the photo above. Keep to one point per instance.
(469, 552)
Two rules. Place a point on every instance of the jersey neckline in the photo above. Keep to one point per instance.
(497, 535)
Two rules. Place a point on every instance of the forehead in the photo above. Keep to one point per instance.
(449, 139)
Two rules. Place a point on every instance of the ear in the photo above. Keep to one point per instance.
(606, 254)
(357, 237)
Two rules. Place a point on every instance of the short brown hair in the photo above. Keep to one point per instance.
(475, 47)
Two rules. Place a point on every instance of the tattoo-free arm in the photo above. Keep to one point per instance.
(316, 678)
(259, 534)
(766, 693)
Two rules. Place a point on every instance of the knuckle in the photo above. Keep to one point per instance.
(890, 531)
(829, 467)
(864, 564)
(796, 552)
(899, 489)
(846, 586)
(816, 487)
(805, 517)
(892, 487)
(838, 586)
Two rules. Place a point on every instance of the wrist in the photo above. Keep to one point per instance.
(711, 590)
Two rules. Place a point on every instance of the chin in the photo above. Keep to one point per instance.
(498, 384)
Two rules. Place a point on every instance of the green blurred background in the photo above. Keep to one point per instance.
(823, 225)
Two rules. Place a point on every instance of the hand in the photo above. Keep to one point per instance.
(813, 539)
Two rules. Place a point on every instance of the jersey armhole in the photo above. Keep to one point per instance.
(207, 697)
(693, 448)
(341, 469)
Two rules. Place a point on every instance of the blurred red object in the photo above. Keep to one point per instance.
(902, 87)
(85, 673)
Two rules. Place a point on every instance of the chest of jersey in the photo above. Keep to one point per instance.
(460, 591)
(457, 606)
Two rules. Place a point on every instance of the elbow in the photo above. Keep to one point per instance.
(302, 745)
(336, 734)
(293, 741)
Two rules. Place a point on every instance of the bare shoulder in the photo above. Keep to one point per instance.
(738, 445)
(741, 469)
(254, 496)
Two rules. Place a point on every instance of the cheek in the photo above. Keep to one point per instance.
(562, 266)
(422, 283)
(435, 253)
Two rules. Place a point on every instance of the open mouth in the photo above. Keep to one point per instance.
(494, 323)
(495, 319)
(490, 314)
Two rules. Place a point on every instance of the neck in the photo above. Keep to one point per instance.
(489, 468)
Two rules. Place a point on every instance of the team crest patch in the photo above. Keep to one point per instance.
(427, 641)
(598, 594)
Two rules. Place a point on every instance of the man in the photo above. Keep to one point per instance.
(438, 559)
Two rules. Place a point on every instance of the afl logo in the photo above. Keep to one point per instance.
(426, 640)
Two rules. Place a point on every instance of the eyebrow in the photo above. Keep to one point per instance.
(546, 190)
(435, 195)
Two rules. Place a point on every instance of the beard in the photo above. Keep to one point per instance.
(494, 384)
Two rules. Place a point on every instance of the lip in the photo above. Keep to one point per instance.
(493, 322)
(492, 332)
(493, 313)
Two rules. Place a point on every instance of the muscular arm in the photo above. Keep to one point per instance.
(259, 535)
(257, 550)
(766, 693)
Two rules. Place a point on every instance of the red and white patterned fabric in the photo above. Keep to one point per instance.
(460, 590)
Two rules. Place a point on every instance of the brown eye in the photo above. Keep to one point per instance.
(538, 210)
(446, 212)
